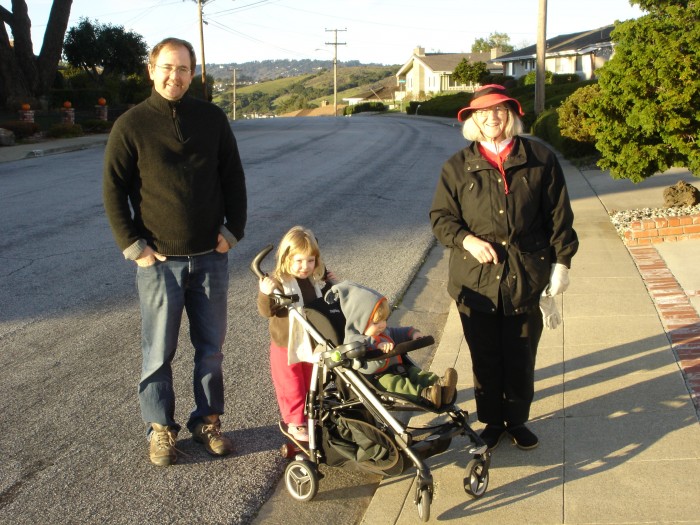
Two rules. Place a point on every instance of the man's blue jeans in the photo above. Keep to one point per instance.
(199, 286)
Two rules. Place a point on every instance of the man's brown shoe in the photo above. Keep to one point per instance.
(209, 435)
(162, 447)
(448, 382)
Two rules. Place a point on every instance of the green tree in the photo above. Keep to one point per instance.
(494, 40)
(25, 77)
(466, 72)
(103, 50)
(648, 121)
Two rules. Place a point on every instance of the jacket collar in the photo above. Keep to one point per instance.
(474, 161)
(164, 105)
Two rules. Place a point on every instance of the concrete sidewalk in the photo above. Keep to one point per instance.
(619, 433)
(50, 147)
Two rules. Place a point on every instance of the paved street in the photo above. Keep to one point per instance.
(74, 448)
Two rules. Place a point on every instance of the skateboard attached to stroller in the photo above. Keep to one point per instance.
(352, 424)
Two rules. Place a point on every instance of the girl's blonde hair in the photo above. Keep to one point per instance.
(298, 241)
(472, 131)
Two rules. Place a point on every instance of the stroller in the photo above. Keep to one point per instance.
(350, 421)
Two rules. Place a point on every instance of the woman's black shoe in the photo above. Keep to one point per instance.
(492, 435)
(522, 437)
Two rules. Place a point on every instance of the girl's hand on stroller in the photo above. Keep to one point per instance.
(416, 335)
(386, 346)
(267, 285)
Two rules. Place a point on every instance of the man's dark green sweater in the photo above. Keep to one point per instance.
(173, 178)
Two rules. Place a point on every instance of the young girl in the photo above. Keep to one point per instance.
(298, 270)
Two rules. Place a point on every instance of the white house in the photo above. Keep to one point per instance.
(577, 53)
(426, 74)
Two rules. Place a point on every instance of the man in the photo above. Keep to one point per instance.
(174, 192)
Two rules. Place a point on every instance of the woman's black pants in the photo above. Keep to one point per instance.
(503, 350)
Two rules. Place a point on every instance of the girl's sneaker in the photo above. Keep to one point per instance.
(298, 432)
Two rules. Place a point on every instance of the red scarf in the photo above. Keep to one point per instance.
(497, 159)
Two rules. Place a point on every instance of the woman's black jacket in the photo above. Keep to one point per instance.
(531, 226)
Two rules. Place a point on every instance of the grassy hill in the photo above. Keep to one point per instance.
(287, 94)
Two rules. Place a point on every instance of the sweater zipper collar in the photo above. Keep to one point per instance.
(176, 120)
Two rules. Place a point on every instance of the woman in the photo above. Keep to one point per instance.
(502, 207)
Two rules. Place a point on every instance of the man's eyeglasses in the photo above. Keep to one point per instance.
(501, 110)
(169, 68)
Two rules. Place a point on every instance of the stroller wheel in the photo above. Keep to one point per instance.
(423, 499)
(301, 480)
(476, 479)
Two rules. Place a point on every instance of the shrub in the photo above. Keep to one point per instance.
(546, 127)
(96, 125)
(412, 106)
(21, 128)
(529, 79)
(80, 98)
(504, 80)
(575, 122)
(569, 78)
(65, 131)
(365, 106)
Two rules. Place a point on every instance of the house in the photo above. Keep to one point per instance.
(426, 74)
(577, 53)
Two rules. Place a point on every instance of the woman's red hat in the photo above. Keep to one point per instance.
(487, 96)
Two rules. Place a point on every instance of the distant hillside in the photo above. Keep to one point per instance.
(261, 71)
(306, 90)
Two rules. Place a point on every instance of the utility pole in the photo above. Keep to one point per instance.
(335, 45)
(540, 57)
(201, 43)
(233, 96)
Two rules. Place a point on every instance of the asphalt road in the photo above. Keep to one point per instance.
(73, 448)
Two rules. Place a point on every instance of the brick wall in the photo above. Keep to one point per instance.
(662, 229)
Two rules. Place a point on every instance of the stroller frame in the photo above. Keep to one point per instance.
(335, 361)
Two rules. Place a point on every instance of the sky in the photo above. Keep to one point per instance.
(371, 31)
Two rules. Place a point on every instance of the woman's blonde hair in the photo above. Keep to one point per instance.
(298, 241)
(472, 131)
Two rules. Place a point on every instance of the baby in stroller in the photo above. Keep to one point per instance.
(350, 420)
(366, 313)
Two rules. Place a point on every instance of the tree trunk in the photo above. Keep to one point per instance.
(25, 77)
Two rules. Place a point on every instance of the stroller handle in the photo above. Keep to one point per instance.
(401, 348)
(255, 263)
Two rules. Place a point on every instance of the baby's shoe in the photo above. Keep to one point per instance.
(298, 432)
(448, 382)
(433, 394)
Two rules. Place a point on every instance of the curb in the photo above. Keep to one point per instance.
(32, 151)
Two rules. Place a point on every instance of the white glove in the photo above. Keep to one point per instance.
(558, 280)
(550, 314)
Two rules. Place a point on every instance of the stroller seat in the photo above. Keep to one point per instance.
(330, 322)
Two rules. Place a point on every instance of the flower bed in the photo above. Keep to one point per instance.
(656, 225)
